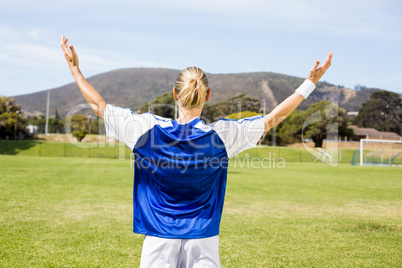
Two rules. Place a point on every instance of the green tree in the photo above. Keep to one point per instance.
(39, 121)
(383, 111)
(7, 104)
(235, 104)
(94, 127)
(79, 123)
(246, 103)
(12, 121)
(324, 119)
(162, 105)
(210, 113)
(241, 115)
(290, 130)
(79, 134)
(56, 125)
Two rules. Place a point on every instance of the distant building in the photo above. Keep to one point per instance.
(372, 133)
(32, 130)
(352, 114)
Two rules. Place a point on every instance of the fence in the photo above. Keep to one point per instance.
(63, 149)
(118, 150)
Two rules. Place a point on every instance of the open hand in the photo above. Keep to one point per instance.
(317, 72)
(69, 53)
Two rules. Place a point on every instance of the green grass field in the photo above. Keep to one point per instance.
(77, 212)
(118, 150)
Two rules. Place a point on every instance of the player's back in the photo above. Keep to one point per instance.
(180, 174)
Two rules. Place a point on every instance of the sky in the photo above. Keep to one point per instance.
(282, 36)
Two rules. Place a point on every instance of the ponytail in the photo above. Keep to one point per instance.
(192, 86)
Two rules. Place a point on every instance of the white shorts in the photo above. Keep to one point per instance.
(180, 253)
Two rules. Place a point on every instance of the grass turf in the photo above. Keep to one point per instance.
(119, 150)
(77, 212)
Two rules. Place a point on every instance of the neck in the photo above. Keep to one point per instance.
(186, 115)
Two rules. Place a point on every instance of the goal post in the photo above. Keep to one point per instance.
(386, 152)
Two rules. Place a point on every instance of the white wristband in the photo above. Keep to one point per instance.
(306, 88)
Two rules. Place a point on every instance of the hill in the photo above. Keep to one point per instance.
(132, 87)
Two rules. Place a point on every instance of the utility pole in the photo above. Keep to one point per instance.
(263, 109)
(47, 114)
(175, 110)
(263, 114)
(239, 110)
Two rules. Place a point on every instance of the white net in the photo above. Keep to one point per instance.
(379, 152)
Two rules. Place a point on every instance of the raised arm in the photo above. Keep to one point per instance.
(286, 107)
(92, 96)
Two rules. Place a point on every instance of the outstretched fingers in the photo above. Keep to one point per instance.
(63, 41)
(64, 45)
(327, 62)
(73, 51)
(317, 72)
(315, 66)
(325, 65)
(69, 52)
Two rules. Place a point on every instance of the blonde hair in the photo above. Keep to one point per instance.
(192, 87)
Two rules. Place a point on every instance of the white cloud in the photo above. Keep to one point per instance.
(305, 15)
(30, 62)
(365, 18)
(97, 61)
(28, 50)
(31, 44)
(23, 50)
(35, 34)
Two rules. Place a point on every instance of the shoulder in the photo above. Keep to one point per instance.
(225, 127)
(235, 122)
(116, 110)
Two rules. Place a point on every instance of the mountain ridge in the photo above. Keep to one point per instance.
(131, 87)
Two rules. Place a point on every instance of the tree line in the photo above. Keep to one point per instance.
(383, 111)
(13, 123)
(81, 125)
(289, 131)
